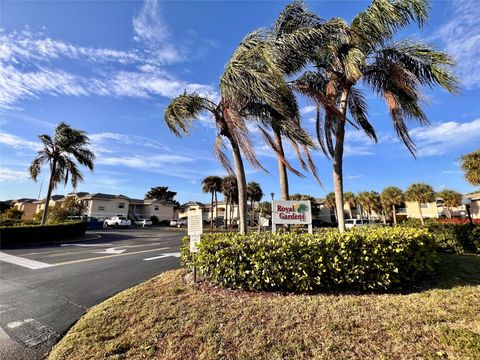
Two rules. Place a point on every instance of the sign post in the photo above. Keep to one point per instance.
(293, 212)
(195, 230)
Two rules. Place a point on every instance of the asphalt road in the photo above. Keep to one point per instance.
(45, 289)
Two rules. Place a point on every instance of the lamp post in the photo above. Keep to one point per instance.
(467, 202)
(272, 195)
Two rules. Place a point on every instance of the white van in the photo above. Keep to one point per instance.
(350, 223)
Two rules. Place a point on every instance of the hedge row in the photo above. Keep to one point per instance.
(18, 235)
(451, 237)
(361, 259)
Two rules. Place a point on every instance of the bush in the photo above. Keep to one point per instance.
(451, 237)
(361, 259)
(18, 235)
(13, 213)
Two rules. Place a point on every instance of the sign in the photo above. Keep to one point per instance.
(194, 241)
(292, 212)
(264, 221)
(195, 229)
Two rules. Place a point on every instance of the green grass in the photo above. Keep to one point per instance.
(169, 318)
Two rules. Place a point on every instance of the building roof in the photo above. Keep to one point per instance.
(473, 196)
(24, 200)
(99, 196)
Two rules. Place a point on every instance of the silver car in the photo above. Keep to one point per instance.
(350, 223)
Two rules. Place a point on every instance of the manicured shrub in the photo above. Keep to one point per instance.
(24, 234)
(451, 237)
(361, 259)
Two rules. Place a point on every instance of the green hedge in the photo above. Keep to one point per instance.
(361, 259)
(18, 235)
(458, 238)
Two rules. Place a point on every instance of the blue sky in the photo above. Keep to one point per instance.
(111, 67)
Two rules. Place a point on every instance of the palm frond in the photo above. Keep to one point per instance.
(357, 106)
(219, 150)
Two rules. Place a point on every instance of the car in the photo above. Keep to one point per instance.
(182, 222)
(143, 222)
(173, 222)
(117, 221)
(350, 223)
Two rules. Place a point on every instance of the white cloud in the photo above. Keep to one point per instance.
(17, 142)
(353, 177)
(148, 25)
(10, 175)
(102, 139)
(442, 138)
(308, 109)
(145, 162)
(460, 36)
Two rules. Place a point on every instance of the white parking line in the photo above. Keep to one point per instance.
(20, 261)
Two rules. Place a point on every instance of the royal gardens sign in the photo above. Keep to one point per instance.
(291, 212)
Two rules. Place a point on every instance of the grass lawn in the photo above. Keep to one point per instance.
(169, 318)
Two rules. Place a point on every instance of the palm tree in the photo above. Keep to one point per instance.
(212, 184)
(330, 203)
(451, 198)
(392, 196)
(255, 75)
(363, 199)
(186, 108)
(471, 167)
(254, 194)
(351, 201)
(67, 147)
(421, 194)
(364, 51)
(230, 194)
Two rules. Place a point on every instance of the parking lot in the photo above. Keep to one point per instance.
(45, 289)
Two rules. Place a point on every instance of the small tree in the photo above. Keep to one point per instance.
(60, 153)
(391, 197)
(313, 202)
(160, 193)
(471, 167)
(420, 193)
(13, 213)
(212, 184)
(351, 201)
(254, 194)
(73, 206)
(451, 198)
(330, 203)
(230, 193)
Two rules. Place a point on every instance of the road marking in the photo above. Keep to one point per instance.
(111, 251)
(107, 256)
(86, 245)
(161, 256)
(20, 261)
(16, 324)
(5, 308)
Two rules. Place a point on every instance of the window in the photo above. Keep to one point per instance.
(121, 205)
(424, 206)
(101, 208)
(157, 207)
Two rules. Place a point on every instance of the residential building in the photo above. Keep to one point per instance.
(26, 205)
(54, 200)
(475, 205)
(147, 208)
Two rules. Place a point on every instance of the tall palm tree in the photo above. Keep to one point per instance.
(391, 197)
(254, 194)
(330, 203)
(230, 194)
(186, 108)
(364, 52)
(256, 75)
(363, 199)
(62, 152)
(471, 167)
(351, 201)
(421, 194)
(451, 198)
(212, 184)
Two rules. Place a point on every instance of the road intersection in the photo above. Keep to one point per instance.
(45, 289)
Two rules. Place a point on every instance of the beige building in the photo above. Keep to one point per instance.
(475, 205)
(28, 207)
(144, 209)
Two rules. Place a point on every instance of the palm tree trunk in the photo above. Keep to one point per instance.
(394, 214)
(282, 169)
(420, 211)
(338, 162)
(225, 225)
(350, 211)
(216, 210)
(242, 187)
(49, 192)
(211, 213)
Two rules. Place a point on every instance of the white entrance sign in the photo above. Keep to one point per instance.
(293, 212)
(195, 228)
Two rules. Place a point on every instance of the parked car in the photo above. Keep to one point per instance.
(93, 223)
(143, 222)
(173, 222)
(117, 221)
(182, 222)
(350, 223)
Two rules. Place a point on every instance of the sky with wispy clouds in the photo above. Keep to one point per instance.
(111, 67)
